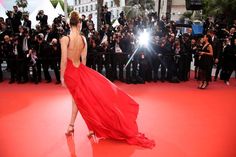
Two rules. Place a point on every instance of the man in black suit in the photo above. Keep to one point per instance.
(106, 16)
(118, 47)
(1, 59)
(43, 19)
(55, 57)
(16, 22)
(217, 48)
(7, 50)
(26, 44)
(27, 22)
(43, 55)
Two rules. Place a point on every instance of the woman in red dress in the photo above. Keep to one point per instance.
(107, 111)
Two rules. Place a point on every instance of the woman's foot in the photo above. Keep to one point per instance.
(70, 130)
(200, 85)
(205, 84)
(227, 83)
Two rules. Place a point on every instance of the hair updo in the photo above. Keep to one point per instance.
(74, 18)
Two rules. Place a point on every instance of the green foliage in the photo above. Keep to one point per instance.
(135, 8)
(214, 8)
(22, 3)
(187, 14)
(54, 3)
(145, 4)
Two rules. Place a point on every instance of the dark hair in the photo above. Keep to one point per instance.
(209, 38)
(74, 18)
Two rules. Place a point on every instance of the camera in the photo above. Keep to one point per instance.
(9, 13)
(40, 12)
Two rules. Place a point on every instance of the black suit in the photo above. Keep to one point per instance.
(27, 24)
(1, 59)
(11, 62)
(26, 44)
(217, 49)
(118, 59)
(43, 54)
(43, 20)
(106, 18)
(158, 60)
(16, 21)
(55, 55)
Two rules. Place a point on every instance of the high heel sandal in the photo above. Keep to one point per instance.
(204, 86)
(200, 85)
(70, 132)
(92, 136)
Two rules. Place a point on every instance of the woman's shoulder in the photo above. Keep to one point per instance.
(65, 40)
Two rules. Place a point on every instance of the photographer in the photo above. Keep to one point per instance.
(16, 22)
(185, 58)
(89, 21)
(92, 40)
(167, 51)
(4, 31)
(158, 59)
(32, 56)
(24, 45)
(43, 53)
(121, 19)
(1, 60)
(7, 50)
(229, 63)
(9, 21)
(128, 39)
(84, 24)
(195, 47)
(118, 47)
(43, 19)
(55, 57)
(106, 15)
(27, 22)
(48, 34)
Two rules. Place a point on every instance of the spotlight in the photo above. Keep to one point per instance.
(144, 38)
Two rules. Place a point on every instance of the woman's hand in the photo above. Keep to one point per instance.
(201, 53)
(63, 82)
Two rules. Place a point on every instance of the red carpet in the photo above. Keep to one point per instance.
(183, 120)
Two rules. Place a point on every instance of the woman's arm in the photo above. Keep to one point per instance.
(210, 49)
(64, 43)
(84, 52)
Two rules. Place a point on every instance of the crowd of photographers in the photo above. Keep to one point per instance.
(166, 57)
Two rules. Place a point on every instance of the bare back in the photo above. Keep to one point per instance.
(76, 46)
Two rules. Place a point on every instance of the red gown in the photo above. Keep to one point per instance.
(107, 110)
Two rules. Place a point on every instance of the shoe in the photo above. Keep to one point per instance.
(70, 132)
(24, 81)
(204, 86)
(19, 82)
(227, 83)
(48, 81)
(200, 85)
(12, 81)
(58, 82)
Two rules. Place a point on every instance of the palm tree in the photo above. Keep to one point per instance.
(136, 8)
(227, 8)
(99, 8)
